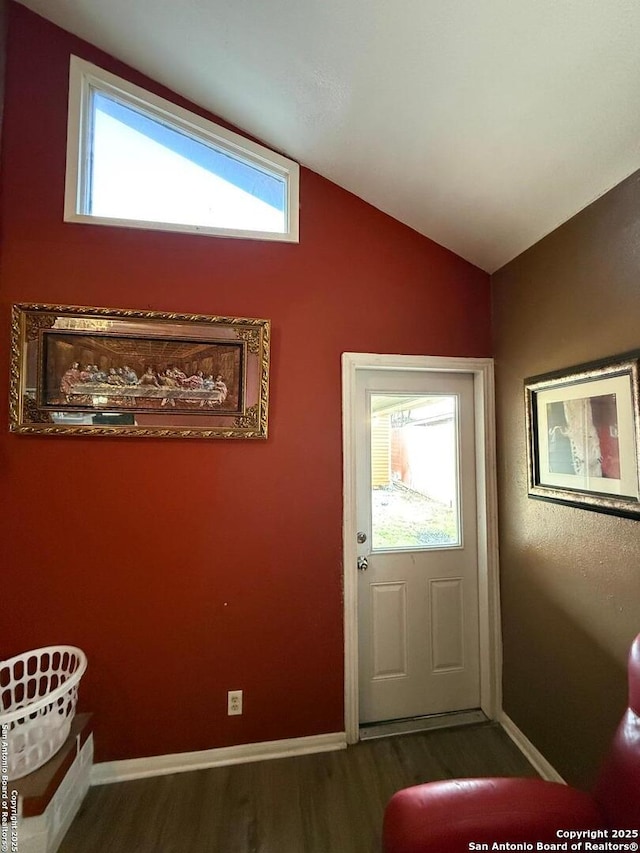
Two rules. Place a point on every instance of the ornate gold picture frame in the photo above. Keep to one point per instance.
(112, 372)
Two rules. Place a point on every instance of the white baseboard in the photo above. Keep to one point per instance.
(161, 765)
(533, 756)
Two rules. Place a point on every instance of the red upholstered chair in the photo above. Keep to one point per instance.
(445, 817)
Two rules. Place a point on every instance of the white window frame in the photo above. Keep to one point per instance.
(83, 77)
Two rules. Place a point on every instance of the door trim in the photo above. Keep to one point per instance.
(487, 508)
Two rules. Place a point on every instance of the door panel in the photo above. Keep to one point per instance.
(447, 624)
(415, 497)
(389, 630)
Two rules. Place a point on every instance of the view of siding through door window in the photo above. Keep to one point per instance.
(414, 472)
(142, 169)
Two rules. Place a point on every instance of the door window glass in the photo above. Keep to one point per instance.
(414, 472)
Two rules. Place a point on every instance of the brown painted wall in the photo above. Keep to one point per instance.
(570, 579)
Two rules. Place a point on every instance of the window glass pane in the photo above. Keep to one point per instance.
(414, 471)
(146, 170)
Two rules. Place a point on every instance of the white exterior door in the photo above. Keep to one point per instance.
(418, 634)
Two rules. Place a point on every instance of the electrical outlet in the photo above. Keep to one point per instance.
(234, 703)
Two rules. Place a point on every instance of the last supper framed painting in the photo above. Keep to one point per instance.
(123, 372)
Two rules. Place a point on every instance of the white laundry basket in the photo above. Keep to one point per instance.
(38, 692)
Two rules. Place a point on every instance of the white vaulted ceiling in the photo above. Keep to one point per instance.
(483, 124)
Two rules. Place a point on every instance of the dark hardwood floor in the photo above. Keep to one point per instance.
(326, 803)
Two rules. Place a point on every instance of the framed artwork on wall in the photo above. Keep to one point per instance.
(116, 372)
(583, 435)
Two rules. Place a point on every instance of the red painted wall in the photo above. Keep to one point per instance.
(188, 568)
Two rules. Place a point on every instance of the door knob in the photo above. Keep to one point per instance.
(363, 564)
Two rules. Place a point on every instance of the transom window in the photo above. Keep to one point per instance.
(136, 160)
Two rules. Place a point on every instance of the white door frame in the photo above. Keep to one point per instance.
(487, 503)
